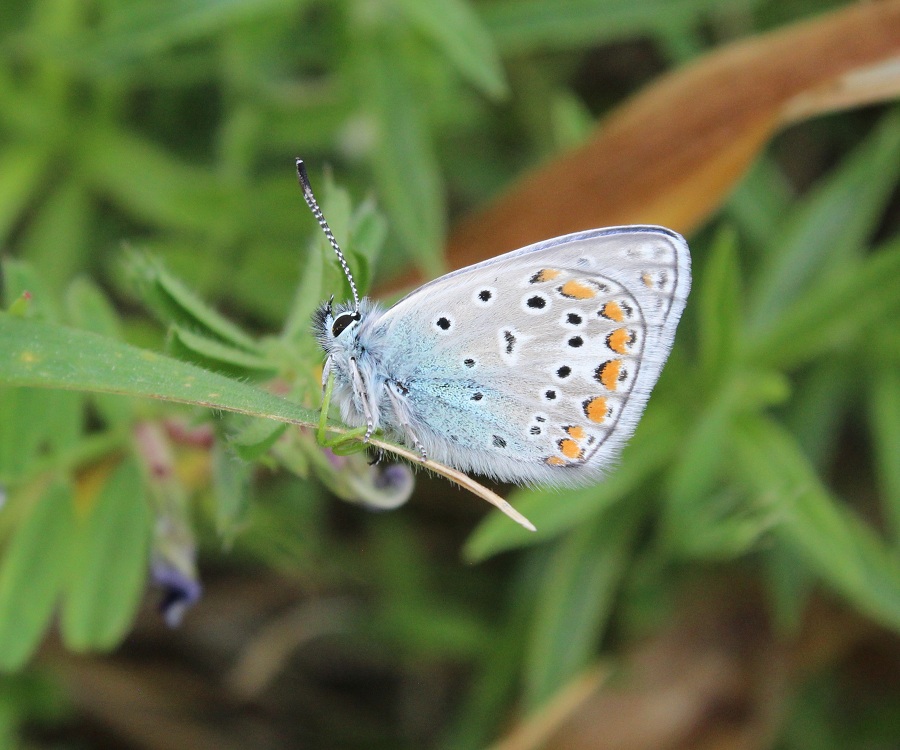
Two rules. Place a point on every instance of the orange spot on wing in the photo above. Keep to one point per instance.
(545, 274)
(595, 409)
(576, 431)
(608, 373)
(569, 448)
(576, 290)
(555, 461)
(619, 340)
(612, 311)
(647, 279)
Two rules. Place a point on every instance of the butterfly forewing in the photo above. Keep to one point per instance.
(537, 364)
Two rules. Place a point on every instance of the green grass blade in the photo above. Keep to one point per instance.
(156, 187)
(231, 486)
(22, 169)
(34, 567)
(38, 354)
(575, 600)
(523, 25)
(832, 539)
(453, 26)
(719, 307)
(175, 303)
(109, 568)
(212, 353)
(830, 228)
(404, 160)
(759, 202)
(884, 411)
(838, 313)
(36, 425)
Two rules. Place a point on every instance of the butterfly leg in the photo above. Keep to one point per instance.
(395, 392)
(344, 444)
(359, 388)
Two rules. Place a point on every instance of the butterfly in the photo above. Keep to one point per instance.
(532, 367)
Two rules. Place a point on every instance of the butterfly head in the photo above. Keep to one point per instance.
(336, 326)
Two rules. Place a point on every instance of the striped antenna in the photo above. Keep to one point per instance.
(317, 212)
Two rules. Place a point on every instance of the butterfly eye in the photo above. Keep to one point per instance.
(342, 321)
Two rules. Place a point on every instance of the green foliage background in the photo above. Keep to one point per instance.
(146, 181)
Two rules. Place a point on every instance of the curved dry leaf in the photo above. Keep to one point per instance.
(673, 152)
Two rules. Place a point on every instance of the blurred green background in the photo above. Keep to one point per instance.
(736, 582)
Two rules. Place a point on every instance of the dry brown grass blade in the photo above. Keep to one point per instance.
(716, 677)
(671, 155)
(535, 731)
(857, 88)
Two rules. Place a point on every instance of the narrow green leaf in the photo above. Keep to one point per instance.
(110, 561)
(132, 33)
(832, 539)
(828, 229)
(18, 438)
(39, 354)
(213, 353)
(231, 485)
(368, 230)
(405, 165)
(821, 399)
(497, 672)
(760, 200)
(34, 567)
(87, 307)
(720, 312)
(453, 26)
(695, 509)
(834, 315)
(789, 585)
(22, 168)
(309, 294)
(150, 184)
(56, 238)
(35, 424)
(575, 600)
(175, 303)
(570, 119)
(255, 438)
(884, 416)
(521, 26)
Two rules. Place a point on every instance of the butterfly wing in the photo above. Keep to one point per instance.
(536, 365)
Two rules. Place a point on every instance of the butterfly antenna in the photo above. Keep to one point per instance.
(317, 212)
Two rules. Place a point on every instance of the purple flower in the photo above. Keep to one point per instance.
(378, 487)
(180, 590)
